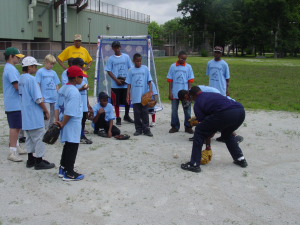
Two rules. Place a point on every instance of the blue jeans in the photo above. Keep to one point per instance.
(226, 122)
(174, 117)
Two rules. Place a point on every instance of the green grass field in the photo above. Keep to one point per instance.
(270, 84)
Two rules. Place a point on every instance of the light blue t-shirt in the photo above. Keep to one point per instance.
(84, 94)
(64, 77)
(48, 80)
(32, 113)
(109, 111)
(12, 101)
(84, 97)
(69, 103)
(211, 89)
(180, 76)
(119, 66)
(218, 72)
(139, 79)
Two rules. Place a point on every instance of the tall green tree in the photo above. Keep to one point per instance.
(263, 25)
(156, 32)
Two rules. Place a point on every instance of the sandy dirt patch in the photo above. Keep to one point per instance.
(138, 181)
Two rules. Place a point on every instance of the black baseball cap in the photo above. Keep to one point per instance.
(102, 95)
(115, 44)
(78, 62)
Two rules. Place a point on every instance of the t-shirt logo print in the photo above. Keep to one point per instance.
(179, 79)
(214, 75)
(121, 72)
(51, 85)
(138, 82)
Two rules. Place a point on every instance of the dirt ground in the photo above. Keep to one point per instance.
(139, 181)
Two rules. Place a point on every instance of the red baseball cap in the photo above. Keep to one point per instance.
(75, 71)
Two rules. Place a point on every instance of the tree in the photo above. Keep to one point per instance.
(265, 25)
(155, 31)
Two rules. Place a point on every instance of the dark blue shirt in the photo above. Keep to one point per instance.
(208, 103)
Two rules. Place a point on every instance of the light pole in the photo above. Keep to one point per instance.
(89, 35)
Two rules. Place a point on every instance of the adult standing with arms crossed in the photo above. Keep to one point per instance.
(12, 101)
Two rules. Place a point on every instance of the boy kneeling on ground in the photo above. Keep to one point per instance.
(104, 116)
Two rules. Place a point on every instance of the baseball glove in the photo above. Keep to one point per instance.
(146, 98)
(206, 156)
(193, 121)
(52, 134)
(152, 103)
(122, 137)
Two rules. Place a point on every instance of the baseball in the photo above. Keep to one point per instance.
(175, 156)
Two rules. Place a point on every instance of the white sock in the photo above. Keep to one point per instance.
(241, 158)
(18, 144)
(14, 149)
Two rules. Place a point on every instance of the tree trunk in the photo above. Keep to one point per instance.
(276, 33)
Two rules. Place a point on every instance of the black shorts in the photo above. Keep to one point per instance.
(14, 119)
(120, 96)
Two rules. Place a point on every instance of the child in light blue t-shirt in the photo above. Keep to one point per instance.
(104, 116)
(48, 81)
(69, 109)
(180, 77)
(139, 80)
(218, 72)
(33, 109)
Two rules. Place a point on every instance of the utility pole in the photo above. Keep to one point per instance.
(63, 30)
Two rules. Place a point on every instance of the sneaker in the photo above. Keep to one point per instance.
(21, 151)
(72, 176)
(148, 133)
(118, 121)
(173, 130)
(22, 139)
(84, 140)
(102, 133)
(61, 172)
(44, 165)
(189, 130)
(242, 163)
(137, 133)
(128, 119)
(239, 138)
(152, 124)
(30, 163)
(193, 168)
(14, 156)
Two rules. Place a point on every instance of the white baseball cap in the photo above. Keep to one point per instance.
(30, 61)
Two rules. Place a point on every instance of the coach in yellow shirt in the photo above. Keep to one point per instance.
(76, 51)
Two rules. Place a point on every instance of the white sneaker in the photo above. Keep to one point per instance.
(14, 156)
(21, 151)
(152, 124)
